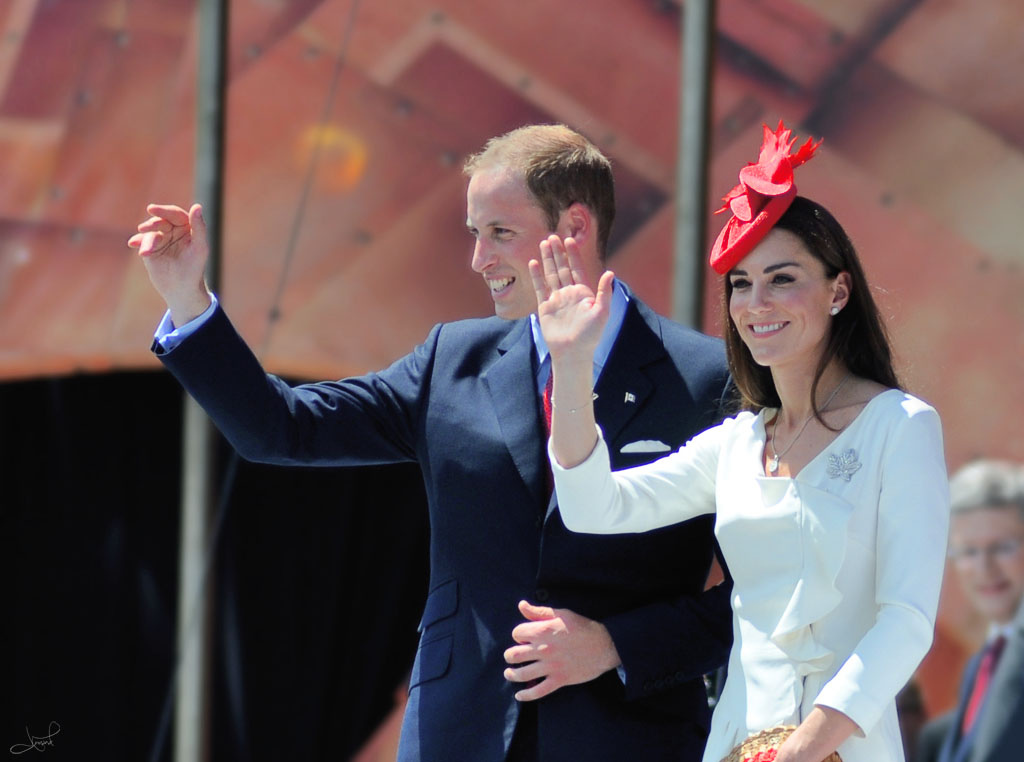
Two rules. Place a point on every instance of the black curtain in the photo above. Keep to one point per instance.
(320, 576)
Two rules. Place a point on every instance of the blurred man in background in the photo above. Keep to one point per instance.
(987, 551)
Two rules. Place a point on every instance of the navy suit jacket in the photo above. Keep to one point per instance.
(998, 731)
(464, 405)
(932, 737)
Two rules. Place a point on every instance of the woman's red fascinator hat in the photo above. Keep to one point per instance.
(765, 192)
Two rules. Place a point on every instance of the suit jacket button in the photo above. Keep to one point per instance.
(542, 594)
(539, 522)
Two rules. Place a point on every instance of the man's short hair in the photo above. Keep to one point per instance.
(560, 168)
(985, 484)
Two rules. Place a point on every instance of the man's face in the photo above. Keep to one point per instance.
(987, 548)
(508, 227)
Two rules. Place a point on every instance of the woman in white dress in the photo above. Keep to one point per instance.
(829, 488)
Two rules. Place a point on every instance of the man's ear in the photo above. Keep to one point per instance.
(577, 222)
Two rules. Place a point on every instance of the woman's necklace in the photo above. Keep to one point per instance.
(773, 464)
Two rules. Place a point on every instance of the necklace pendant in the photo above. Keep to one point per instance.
(773, 464)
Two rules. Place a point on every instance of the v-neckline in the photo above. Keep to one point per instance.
(829, 446)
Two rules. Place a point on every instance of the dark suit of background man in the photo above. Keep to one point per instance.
(609, 666)
(987, 550)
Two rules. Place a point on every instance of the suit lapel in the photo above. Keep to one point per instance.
(624, 386)
(511, 381)
(955, 746)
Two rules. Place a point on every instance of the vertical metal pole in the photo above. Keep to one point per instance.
(195, 591)
(192, 696)
(697, 38)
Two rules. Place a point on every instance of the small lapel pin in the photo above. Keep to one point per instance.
(630, 397)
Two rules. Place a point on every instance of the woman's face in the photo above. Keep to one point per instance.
(781, 301)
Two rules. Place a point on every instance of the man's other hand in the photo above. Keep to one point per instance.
(557, 647)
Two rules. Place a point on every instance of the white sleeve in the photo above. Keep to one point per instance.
(594, 499)
(910, 552)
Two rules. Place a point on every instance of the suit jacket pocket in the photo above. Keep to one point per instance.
(442, 602)
(432, 660)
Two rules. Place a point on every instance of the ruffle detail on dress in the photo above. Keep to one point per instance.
(823, 538)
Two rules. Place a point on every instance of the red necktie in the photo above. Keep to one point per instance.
(989, 659)
(547, 402)
(549, 477)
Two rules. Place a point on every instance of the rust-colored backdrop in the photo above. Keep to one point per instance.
(919, 103)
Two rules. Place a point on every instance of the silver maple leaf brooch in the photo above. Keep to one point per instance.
(843, 466)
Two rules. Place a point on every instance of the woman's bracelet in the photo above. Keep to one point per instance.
(571, 410)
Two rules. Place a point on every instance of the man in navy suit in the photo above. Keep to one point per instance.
(987, 550)
(536, 643)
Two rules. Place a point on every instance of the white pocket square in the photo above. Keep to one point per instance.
(646, 445)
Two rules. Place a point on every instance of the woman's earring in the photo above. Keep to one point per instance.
(834, 311)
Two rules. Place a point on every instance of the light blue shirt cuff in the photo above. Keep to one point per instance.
(168, 336)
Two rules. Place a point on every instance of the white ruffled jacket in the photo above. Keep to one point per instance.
(836, 572)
